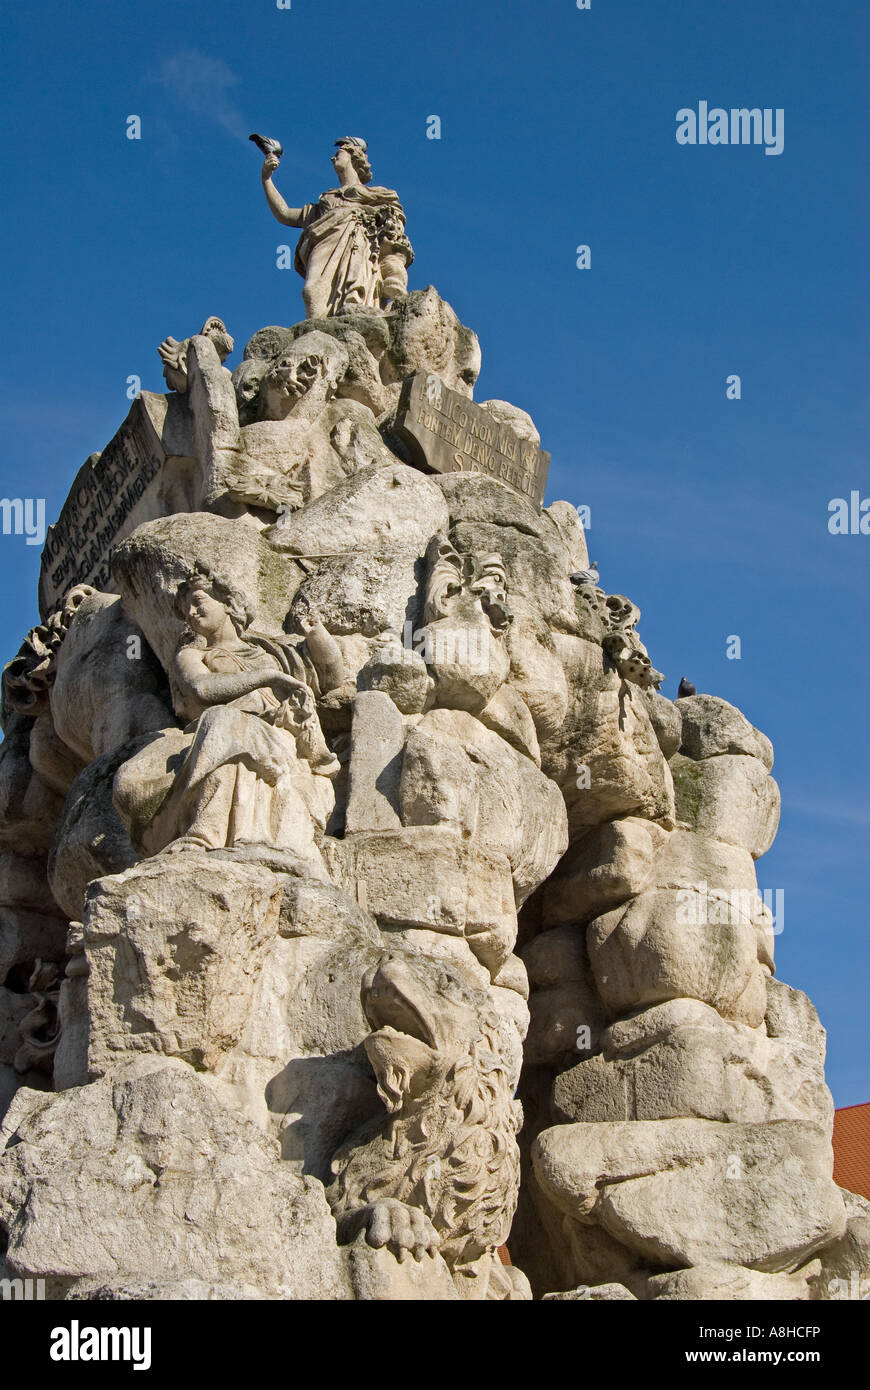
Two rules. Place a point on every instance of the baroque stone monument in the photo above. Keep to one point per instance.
(371, 926)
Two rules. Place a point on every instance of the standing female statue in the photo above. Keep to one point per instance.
(353, 251)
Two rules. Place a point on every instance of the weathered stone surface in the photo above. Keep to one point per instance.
(99, 704)
(691, 860)
(792, 1017)
(9, 1084)
(374, 773)
(12, 1008)
(27, 936)
(563, 1000)
(420, 332)
(376, 1274)
(52, 760)
(346, 715)
(90, 840)
(24, 882)
(364, 336)
(118, 1179)
(597, 1293)
(730, 797)
(149, 566)
(399, 672)
(456, 772)
(607, 759)
(663, 1188)
(666, 720)
(372, 531)
(727, 1282)
(656, 949)
(440, 1174)
(29, 807)
(176, 946)
(426, 335)
(606, 866)
(843, 1269)
(376, 509)
(683, 1059)
(152, 1290)
(467, 892)
(570, 526)
(147, 469)
(711, 727)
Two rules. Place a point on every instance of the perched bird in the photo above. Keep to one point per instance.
(686, 689)
(267, 146)
(589, 576)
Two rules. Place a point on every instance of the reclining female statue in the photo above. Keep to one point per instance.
(251, 767)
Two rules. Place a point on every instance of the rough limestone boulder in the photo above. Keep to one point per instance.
(711, 727)
(684, 1059)
(656, 949)
(730, 797)
(99, 705)
(114, 1181)
(691, 1191)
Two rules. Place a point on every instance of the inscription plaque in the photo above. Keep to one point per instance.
(138, 476)
(447, 433)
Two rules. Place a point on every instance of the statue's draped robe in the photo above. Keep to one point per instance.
(240, 773)
(339, 250)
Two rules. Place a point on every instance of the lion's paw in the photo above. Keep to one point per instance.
(401, 1229)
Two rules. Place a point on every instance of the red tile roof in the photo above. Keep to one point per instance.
(852, 1148)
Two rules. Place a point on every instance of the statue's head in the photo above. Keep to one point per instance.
(351, 153)
(204, 602)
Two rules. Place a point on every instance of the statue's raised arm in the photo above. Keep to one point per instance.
(353, 252)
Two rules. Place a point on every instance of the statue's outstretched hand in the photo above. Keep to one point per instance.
(170, 350)
(270, 164)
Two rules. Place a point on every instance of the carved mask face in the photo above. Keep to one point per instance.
(216, 329)
(294, 375)
(621, 612)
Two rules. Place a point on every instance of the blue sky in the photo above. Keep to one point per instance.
(558, 128)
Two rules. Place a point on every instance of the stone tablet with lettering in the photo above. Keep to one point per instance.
(147, 470)
(447, 433)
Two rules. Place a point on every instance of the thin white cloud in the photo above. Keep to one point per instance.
(204, 86)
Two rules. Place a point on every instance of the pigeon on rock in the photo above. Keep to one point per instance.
(686, 688)
(589, 576)
(267, 146)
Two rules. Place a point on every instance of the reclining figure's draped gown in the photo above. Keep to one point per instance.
(241, 773)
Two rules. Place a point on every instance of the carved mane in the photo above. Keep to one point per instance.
(452, 1153)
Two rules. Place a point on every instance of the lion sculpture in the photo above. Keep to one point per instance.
(439, 1173)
